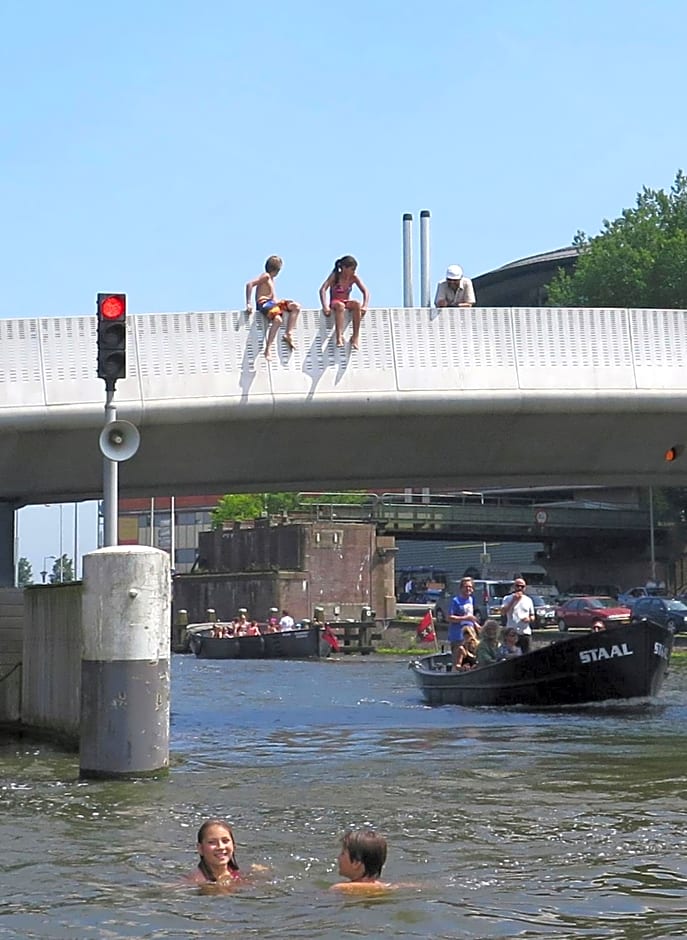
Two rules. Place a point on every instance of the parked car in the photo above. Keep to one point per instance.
(488, 597)
(671, 613)
(544, 612)
(591, 590)
(583, 611)
(628, 598)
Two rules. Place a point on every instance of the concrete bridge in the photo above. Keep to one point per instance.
(480, 397)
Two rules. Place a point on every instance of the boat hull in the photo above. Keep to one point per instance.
(295, 644)
(629, 661)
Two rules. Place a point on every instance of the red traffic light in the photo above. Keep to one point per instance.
(111, 338)
(112, 306)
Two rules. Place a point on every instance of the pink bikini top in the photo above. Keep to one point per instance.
(339, 292)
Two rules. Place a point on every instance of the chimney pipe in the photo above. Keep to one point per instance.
(407, 259)
(425, 290)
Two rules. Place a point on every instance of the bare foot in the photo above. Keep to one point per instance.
(340, 342)
(289, 341)
(354, 345)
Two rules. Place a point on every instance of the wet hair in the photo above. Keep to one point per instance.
(274, 264)
(347, 261)
(368, 847)
(232, 863)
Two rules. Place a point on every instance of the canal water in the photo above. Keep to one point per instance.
(501, 823)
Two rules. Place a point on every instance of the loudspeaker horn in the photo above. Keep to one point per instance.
(119, 440)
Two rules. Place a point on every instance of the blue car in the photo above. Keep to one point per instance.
(664, 610)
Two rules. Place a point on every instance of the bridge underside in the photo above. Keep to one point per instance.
(478, 398)
(341, 451)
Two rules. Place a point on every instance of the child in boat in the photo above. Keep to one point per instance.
(340, 283)
(266, 303)
(217, 850)
(362, 857)
(509, 647)
(488, 646)
(465, 657)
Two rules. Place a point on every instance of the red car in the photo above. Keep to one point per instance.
(583, 611)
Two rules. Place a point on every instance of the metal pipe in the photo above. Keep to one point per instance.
(61, 546)
(172, 531)
(425, 290)
(76, 541)
(652, 539)
(110, 482)
(407, 259)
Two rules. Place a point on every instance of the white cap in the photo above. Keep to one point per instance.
(454, 272)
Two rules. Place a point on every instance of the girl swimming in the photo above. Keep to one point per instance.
(217, 850)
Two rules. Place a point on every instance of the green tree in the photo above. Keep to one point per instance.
(637, 260)
(62, 570)
(24, 573)
(239, 507)
(350, 497)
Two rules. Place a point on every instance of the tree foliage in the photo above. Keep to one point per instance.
(62, 570)
(638, 260)
(24, 573)
(240, 507)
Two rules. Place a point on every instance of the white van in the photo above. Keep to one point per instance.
(488, 597)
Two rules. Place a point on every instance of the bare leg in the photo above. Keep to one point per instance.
(356, 317)
(294, 309)
(339, 314)
(271, 335)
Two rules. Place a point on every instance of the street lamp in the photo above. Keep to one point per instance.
(484, 544)
(46, 559)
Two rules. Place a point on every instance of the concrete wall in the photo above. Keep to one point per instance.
(292, 566)
(51, 681)
(11, 631)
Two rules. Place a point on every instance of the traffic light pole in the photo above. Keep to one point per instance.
(110, 480)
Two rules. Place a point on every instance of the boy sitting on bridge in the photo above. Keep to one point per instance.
(266, 303)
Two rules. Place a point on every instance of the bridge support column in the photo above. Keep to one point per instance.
(7, 537)
(125, 662)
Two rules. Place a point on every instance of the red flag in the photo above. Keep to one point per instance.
(425, 629)
(329, 635)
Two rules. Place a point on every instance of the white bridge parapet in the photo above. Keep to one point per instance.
(452, 380)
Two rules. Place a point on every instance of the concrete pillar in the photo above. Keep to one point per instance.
(7, 544)
(125, 662)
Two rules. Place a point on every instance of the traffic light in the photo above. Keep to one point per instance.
(111, 338)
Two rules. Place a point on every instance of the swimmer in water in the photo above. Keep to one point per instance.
(362, 857)
(217, 850)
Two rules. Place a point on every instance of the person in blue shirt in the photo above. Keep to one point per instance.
(461, 614)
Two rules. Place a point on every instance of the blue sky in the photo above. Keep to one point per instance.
(166, 148)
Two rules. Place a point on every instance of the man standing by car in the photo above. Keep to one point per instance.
(519, 611)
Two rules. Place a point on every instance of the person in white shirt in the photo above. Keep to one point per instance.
(456, 290)
(286, 622)
(519, 611)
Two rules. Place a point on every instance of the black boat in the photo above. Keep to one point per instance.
(623, 662)
(305, 643)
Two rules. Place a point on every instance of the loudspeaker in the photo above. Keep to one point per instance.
(119, 440)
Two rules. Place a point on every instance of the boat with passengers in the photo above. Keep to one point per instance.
(627, 661)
